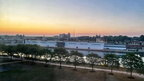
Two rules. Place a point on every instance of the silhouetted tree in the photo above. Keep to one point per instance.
(33, 50)
(60, 53)
(47, 54)
(10, 50)
(141, 69)
(112, 60)
(132, 61)
(141, 38)
(76, 57)
(21, 48)
(92, 59)
(2, 48)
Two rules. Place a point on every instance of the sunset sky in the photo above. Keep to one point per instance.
(85, 17)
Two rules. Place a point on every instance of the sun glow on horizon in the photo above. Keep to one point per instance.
(84, 16)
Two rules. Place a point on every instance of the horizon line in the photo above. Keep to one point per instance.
(51, 35)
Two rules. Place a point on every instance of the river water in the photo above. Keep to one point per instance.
(100, 53)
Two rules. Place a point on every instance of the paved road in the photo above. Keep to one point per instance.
(81, 67)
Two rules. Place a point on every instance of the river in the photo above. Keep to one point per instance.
(100, 53)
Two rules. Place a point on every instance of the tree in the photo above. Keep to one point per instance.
(41, 51)
(27, 50)
(52, 54)
(47, 54)
(76, 57)
(67, 58)
(112, 60)
(132, 61)
(141, 38)
(141, 69)
(10, 50)
(33, 49)
(92, 59)
(60, 53)
(83, 62)
(2, 48)
(21, 48)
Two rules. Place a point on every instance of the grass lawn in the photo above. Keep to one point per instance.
(122, 77)
(51, 73)
(29, 73)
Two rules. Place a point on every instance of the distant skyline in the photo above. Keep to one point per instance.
(86, 17)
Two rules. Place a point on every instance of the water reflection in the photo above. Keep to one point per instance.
(85, 52)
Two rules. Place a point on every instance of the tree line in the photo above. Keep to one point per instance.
(113, 39)
(129, 61)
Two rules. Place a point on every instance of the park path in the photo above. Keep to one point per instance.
(81, 67)
(98, 69)
(9, 62)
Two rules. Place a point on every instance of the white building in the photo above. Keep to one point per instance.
(114, 47)
(75, 45)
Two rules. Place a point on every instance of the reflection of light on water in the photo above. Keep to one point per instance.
(85, 52)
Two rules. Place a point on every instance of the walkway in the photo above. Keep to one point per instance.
(81, 67)
(9, 62)
(98, 69)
